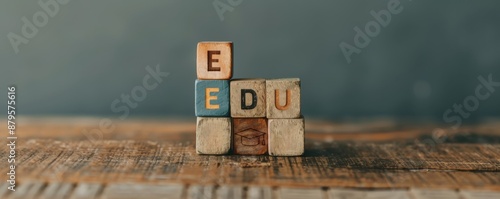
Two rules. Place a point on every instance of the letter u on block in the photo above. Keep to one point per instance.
(277, 100)
(279, 106)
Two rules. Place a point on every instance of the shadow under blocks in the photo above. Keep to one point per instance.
(244, 116)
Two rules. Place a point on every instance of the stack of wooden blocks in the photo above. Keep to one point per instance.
(244, 116)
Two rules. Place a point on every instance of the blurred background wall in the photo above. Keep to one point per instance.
(426, 59)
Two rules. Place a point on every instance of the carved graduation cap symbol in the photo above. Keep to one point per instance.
(252, 137)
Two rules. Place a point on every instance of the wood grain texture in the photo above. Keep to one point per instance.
(212, 98)
(475, 194)
(283, 98)
(368, 194)
(286, 137)
(434, 194)
(354, 156)
(252, 92)
(214, 60)
(145, 191)
(213, 135)
(201, 192)
(57, 191)
(230, 192)
(27, 190)
(300, 193)
(87, 191)
(259, 192)
(4, 191)
(250, 136)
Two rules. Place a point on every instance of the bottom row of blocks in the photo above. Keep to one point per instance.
(250, 136)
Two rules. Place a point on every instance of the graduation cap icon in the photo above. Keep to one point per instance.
(252, 137)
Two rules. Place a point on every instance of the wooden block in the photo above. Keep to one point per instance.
(212, 98)
(214, 60)
(283, 98)
(286, 137)
(213, 135)
(250, 136)
(248, 98)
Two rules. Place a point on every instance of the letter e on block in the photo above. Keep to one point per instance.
(214, 60)
(212, 98)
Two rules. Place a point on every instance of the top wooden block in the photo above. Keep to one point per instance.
(214, 60)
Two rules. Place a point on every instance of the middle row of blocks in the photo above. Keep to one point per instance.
(248, 98)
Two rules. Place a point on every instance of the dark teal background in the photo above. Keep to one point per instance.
(428, 57)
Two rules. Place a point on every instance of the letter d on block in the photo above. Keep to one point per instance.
(248, 98)
(244, 106)
(212, 98)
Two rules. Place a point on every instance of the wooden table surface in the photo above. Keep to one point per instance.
(155, 158)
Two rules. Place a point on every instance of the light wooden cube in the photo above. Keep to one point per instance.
(286, 137)
(214, 60)
(248, 98)
(213, 135)
(283, 98)
(250, 136)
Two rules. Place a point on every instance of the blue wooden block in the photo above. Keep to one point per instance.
(211, 98)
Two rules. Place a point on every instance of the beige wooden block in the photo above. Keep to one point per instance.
(283, 98)
(286, 137)
(248, 98)
(142, 191)
(214, 60)
(213, 135)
